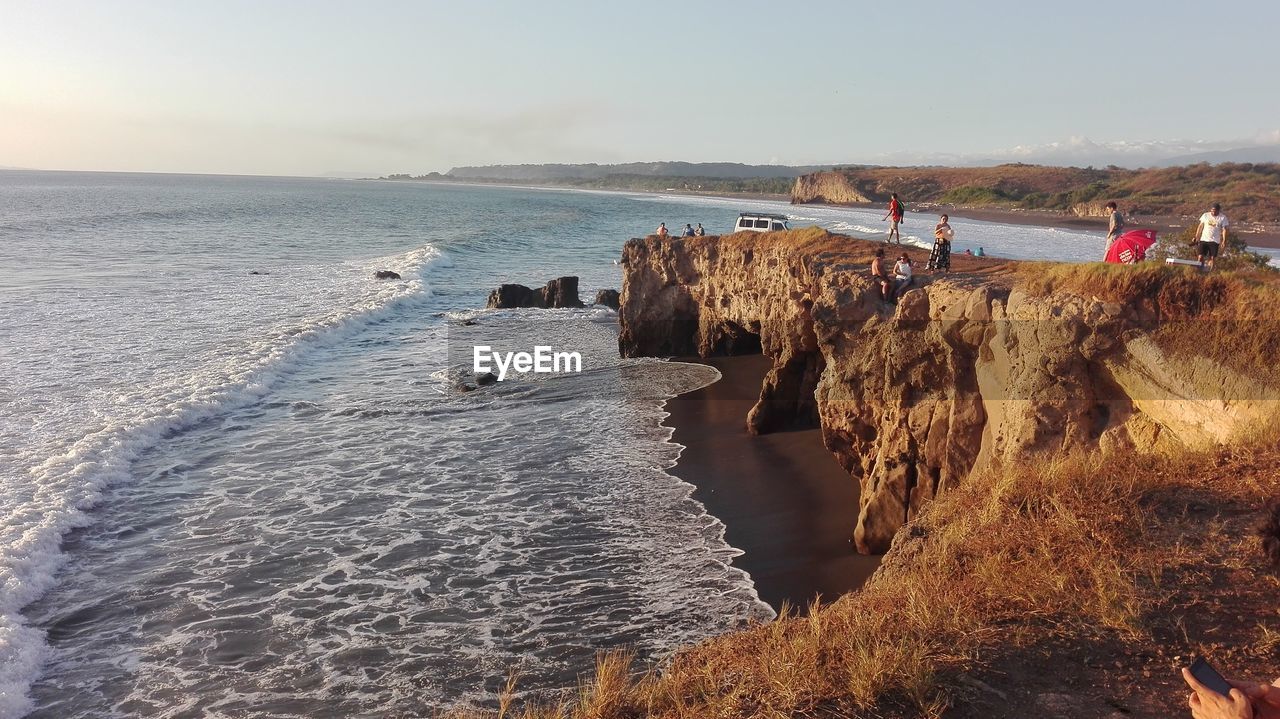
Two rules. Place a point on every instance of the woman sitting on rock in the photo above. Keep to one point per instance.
(901, 276)
(940, 257)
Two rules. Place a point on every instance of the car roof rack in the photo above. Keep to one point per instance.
(762, 214)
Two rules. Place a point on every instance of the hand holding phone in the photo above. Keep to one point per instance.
(1213, 696)
(1204, 673)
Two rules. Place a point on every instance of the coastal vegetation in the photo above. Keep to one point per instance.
(1251, 192)
(1224, 316)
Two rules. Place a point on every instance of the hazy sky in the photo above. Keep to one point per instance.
(311, 87)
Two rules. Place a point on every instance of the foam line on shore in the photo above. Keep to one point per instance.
(60, 491)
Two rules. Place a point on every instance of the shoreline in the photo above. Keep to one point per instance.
(774, 493)
(1268, 238)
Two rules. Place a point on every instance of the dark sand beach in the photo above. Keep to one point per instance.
(774, 493)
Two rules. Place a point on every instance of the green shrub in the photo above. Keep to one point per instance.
(974, 195)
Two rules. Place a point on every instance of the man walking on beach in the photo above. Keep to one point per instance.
(1115, 225)
(1212, 232)
(895, 212)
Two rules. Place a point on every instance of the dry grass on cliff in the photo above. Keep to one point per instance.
(1229, 317)
(1056, 549)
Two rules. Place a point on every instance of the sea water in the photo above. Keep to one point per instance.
(238, 475)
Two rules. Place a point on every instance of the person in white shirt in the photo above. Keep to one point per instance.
(1212, 233)
(901, 276)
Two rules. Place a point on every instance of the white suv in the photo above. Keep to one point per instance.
(759, 222)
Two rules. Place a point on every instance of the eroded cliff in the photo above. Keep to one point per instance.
(968, 371)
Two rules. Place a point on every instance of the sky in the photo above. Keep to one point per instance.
(313, 87)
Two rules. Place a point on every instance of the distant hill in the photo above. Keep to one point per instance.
(1248, 192)
(555, 173)
(1256, 154)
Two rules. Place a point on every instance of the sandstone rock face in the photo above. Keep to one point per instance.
(558, 293)
(1096, 208)
(966, 373)
(826, 187)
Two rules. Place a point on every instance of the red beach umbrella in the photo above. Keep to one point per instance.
(1131, 247)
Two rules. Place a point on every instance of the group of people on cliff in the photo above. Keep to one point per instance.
(689, 230)
(1209, 238)
(893, 287)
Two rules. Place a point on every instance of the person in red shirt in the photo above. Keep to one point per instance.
(895, 216)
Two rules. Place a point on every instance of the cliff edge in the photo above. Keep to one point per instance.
(978, 369)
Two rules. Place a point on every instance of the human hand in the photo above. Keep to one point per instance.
(1205, 703)
(1265, 697)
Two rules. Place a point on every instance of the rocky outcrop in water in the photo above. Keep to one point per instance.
(968, 372)
(558, 293)
(608, 298)
(386, 275)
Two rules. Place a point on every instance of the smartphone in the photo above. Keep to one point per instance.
(1208, 676)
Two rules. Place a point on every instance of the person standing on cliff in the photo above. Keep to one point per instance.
(940, 257)
(1212, 233)
(894, 215)
(1115, 225)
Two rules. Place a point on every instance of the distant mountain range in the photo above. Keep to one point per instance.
(1083, 152)
(592, 171)
(1256, 154)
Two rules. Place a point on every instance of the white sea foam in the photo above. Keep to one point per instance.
(48, 498)
(400, 549)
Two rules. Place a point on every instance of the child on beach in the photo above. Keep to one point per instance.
(940, 257)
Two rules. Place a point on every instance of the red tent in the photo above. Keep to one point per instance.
(1131, 247)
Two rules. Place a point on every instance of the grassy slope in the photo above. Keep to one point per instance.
(1228, 317)
(1005, 592)
(1075, 553)
(1251, 192)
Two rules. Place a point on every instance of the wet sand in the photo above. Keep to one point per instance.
(784, 500)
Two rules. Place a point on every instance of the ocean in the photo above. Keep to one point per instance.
(238, 475)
